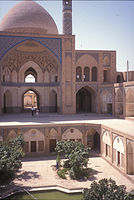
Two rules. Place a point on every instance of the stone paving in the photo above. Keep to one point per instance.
(39, 172)
(124, 126)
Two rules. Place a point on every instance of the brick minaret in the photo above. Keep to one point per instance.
(67, 17)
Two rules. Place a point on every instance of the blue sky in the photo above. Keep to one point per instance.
(97, 25)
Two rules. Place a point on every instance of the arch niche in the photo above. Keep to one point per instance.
(97, 142)
(7, 102)
(118, 151)
(85, 100)
(130, 102)
(30, 99)
(53, 101)
(106, 102)
(53, 138)
(35, 141)
(73, 134)
(130, 159)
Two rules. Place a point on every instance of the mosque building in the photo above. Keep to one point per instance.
(41, 68)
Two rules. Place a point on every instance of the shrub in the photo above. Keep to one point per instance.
(61, 173)
(66, 164)
(78, 173)
(77, 157)
(106, 189)
(10, 155)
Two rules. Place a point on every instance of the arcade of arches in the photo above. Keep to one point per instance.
(42, 141)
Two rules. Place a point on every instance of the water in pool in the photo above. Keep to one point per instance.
(46, 195)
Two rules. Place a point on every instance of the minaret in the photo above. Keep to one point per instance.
(67, 17)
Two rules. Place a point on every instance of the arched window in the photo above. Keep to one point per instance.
(86, 74)
(118, 79)
(30, 76)
(78, 74)
(94, 73)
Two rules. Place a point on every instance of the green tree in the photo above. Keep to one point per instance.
(11, 152)
(106, 189)
(77, 157)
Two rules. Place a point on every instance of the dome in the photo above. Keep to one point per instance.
(28, 16)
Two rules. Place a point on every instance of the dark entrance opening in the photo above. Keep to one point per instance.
(83, 101)
(109, 108)
(33, 146)
(97, 142)
(52, 145)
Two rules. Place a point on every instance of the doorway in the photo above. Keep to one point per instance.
(52, 145)
(83, 101)
(109, 108)
(30, 99)
(33, 146)
(97, 142)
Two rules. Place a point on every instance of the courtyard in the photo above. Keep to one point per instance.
(39, 173)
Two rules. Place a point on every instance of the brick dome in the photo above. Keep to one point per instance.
(28, 16)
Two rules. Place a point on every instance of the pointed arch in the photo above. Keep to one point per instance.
(86, 100)
(118, 101)
(130, 96)
(53, 138)
(78, 73)
(14, 76)
(130, 159)
(53, 101)
(97, 142)
(118, 144)
(35, 141)
(72, 134)
(33, 68)
(94, 73)
(45, 42)
(86, 74)
(7, 102)
(6, 75)
(130, 102)
(53, 134)
(53, 74)
(12, 134)
(106, 101)
(46, 76)
(118, 151)
(30, 98)
(30, 75)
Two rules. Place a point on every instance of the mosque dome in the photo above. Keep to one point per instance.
(28, 17)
